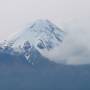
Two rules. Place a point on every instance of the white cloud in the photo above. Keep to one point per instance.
(75, 48)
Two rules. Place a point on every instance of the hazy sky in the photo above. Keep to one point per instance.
(15, 14)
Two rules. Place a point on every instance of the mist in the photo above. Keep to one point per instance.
(75, 48)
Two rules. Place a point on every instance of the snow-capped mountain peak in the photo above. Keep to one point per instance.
(40, 35)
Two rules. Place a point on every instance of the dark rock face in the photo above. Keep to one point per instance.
(16, 73)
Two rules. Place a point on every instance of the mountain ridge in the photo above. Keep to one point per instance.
(41, 35)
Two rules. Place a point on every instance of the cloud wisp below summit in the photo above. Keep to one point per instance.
(75, 48)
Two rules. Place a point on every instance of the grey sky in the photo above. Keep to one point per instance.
(15, 14)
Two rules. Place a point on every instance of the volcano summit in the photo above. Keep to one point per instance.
(41, 35)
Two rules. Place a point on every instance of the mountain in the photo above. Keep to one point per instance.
(40, 35)
(23, 67)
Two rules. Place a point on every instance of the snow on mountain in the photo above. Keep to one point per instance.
(42, 35)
